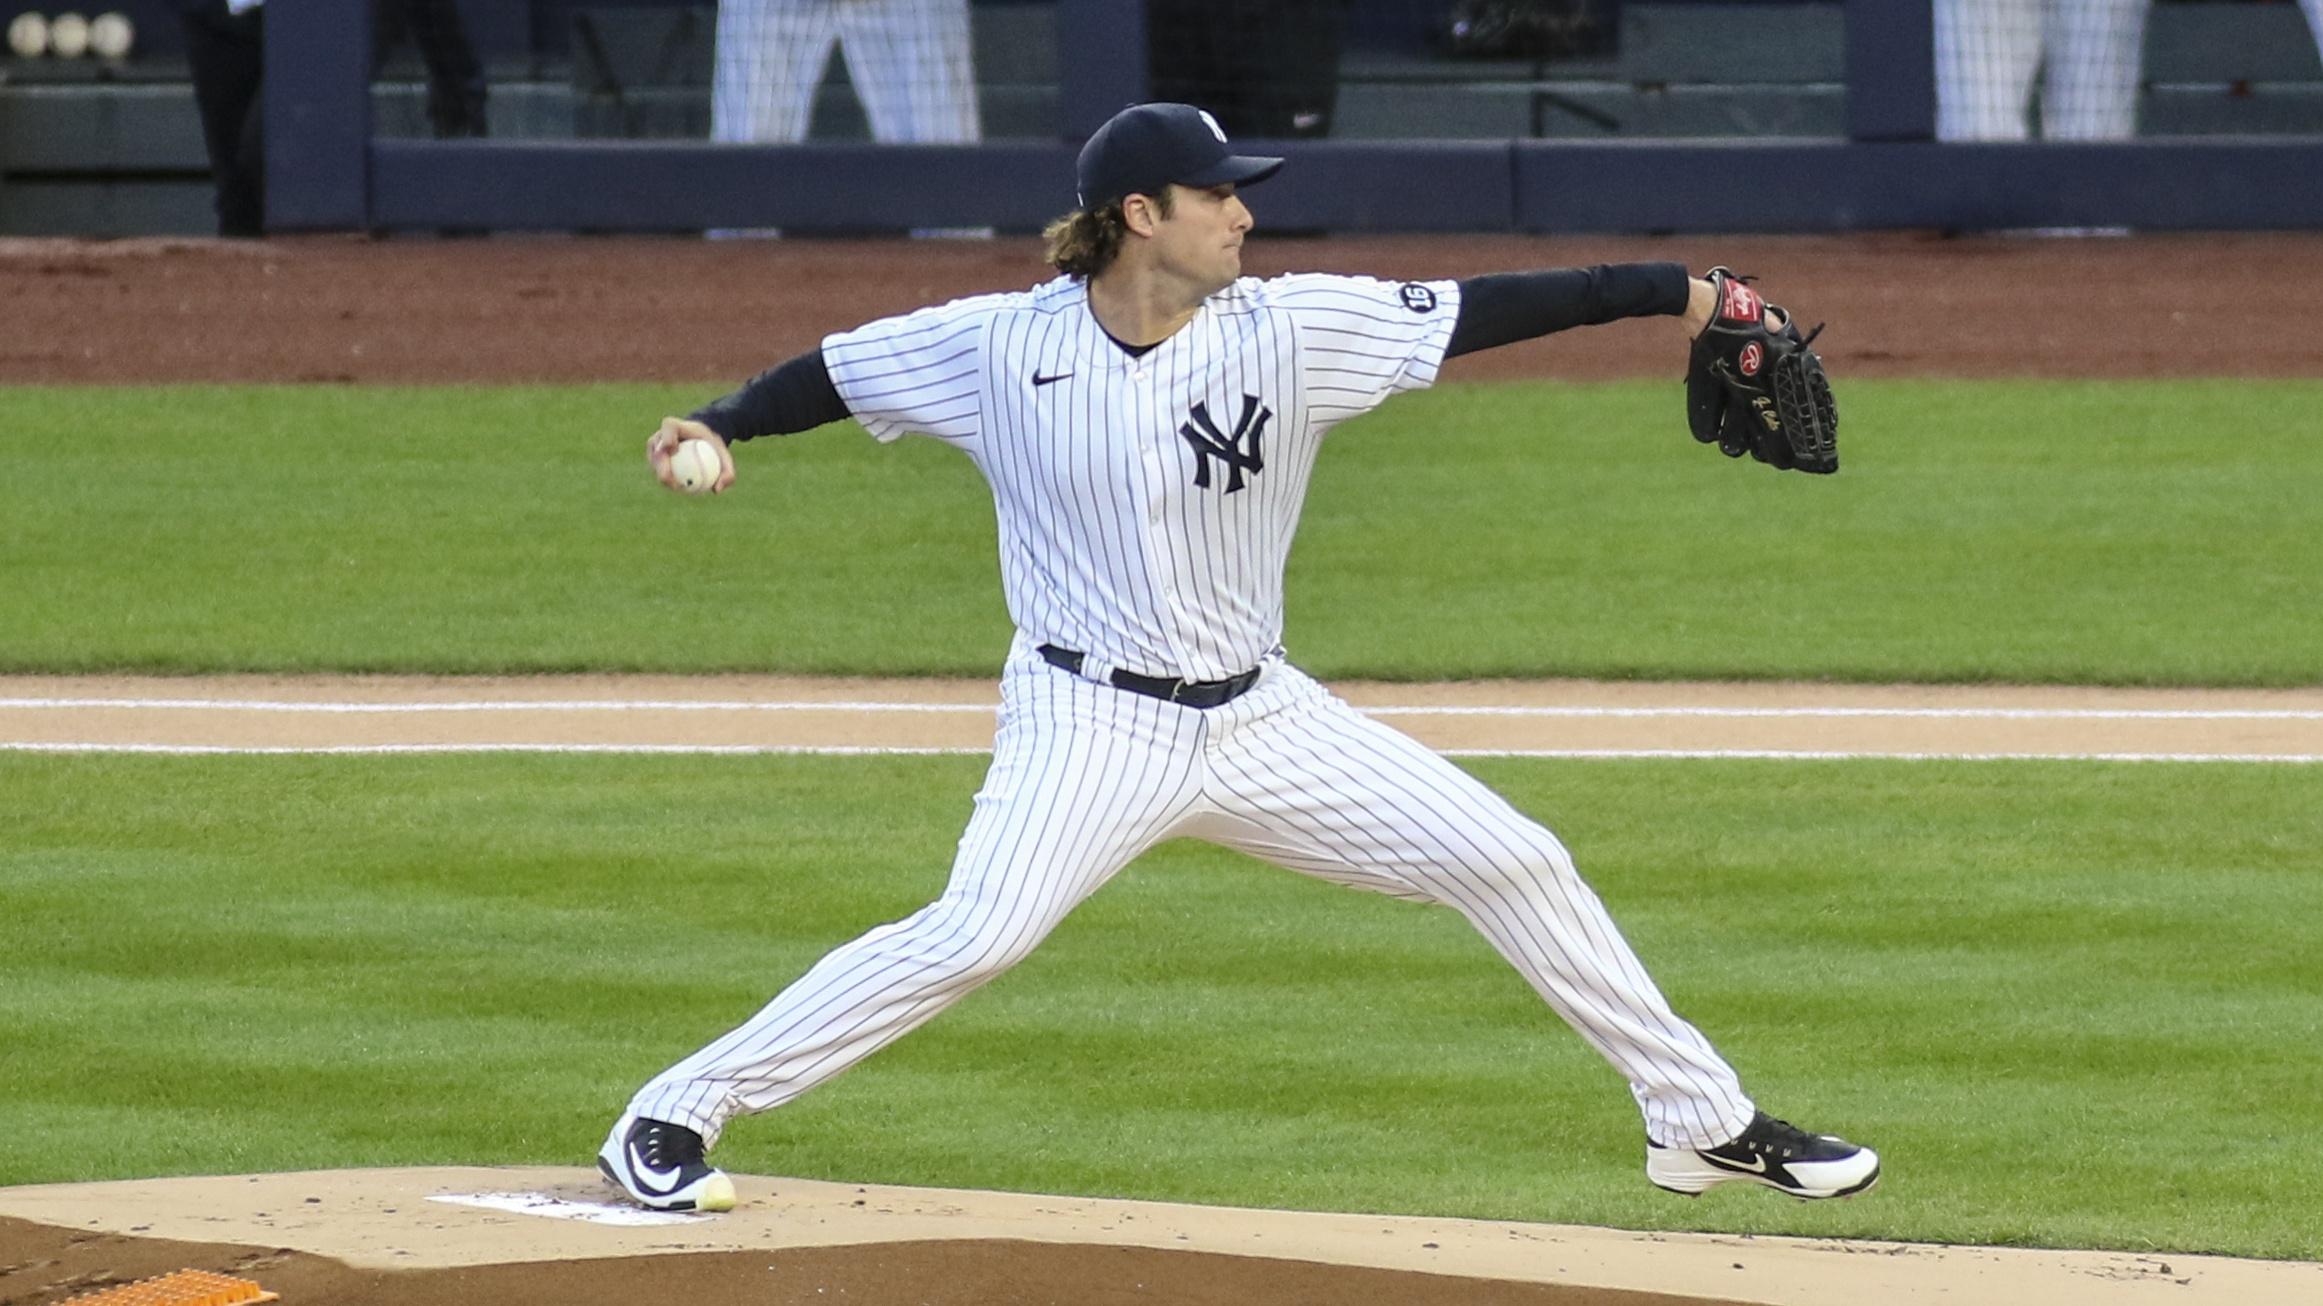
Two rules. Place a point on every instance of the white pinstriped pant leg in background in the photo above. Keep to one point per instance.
(1302, 780)
(2095, 62)
(769, 60)
(1084, 777)
(2086, 54)
(1987, 54)
(913, 68)
(911, 63)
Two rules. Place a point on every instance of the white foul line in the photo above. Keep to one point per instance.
(842, 750)
(496, 705)
(199, 750)
(987, 709)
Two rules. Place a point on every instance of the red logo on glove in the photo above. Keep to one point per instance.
(1741, 303)
(1751, 357)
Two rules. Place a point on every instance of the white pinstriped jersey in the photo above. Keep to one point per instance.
(1146, 504)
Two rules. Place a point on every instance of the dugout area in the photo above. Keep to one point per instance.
(598, 115)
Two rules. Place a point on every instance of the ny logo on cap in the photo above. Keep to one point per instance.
(1212, 124)
(1209, 442)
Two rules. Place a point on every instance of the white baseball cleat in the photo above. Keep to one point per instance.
(1772, 1152)
(660, 1166)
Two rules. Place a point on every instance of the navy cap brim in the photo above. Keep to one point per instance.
(1240, 169)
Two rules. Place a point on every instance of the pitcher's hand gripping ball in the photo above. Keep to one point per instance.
(1756, 389)
(696, 466)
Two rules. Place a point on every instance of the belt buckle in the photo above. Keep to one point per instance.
(1178, 687)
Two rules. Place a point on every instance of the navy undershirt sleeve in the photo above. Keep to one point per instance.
(782, 400)
(1509, 306)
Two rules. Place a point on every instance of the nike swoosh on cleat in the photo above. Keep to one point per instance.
(1757, 1164)
(664, 1182)
(1039, 380)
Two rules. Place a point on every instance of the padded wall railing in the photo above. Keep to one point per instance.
(327, 171)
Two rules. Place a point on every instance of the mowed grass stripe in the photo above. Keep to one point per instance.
(2075, 1004)
(2117, 533)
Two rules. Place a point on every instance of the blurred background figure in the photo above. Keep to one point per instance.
(909, 60)
(2084, 55)
(455, 79)
(2314, 11)
(226, 50)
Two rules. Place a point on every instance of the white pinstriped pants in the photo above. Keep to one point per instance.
(910, 61)
(1085, 777)
(1989, 51)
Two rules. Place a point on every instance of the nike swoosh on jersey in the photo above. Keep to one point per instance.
(660, 1183)
(1039, 380)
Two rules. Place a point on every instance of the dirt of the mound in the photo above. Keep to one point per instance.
(41, 1265)
(571, 310)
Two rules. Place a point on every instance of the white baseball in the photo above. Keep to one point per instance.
(28, 36)
(111, 35)
(696, 466)
(68, 35)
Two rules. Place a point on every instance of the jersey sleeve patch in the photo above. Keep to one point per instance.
(1363, 339)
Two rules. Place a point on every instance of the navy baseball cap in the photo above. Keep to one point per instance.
(1145, 147)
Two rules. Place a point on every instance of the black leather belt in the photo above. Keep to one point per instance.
(1191, 693)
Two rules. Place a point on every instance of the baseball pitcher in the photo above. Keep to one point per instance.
(1148, 422)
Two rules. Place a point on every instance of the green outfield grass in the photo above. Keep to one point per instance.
(2074, 1004)
(2161, 532)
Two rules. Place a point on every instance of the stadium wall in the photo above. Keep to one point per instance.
(331, 171)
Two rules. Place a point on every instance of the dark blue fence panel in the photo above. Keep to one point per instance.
(1386, 186)
(683, 186)
(317, 104)
(2149, 185)
(1891, 70)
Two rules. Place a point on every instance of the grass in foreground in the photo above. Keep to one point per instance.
(2100, 533)
(2075, 1005)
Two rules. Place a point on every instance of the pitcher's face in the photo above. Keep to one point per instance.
(1200, 241)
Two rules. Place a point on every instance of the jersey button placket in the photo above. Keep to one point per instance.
(1156, 451)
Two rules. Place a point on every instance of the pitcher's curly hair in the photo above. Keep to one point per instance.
(1085, 242)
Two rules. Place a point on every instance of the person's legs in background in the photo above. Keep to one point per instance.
(2095, 60)
(227, 54)
(912, 63)
(769, 61)
(1987, 53)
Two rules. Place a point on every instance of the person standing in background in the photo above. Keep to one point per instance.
(910, 62)
(455, 79)
(226, 50)
(2086, 55)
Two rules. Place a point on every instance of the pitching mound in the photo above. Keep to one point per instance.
(507, 1237)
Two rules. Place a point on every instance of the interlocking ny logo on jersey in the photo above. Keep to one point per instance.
(1238, 451)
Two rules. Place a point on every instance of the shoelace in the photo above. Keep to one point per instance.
(1785, 1136)
(665, 1147)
